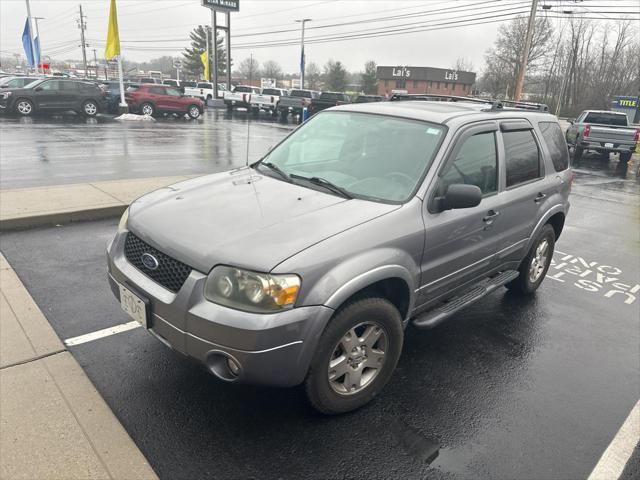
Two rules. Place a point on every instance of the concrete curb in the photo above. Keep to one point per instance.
(55, 424)
(51, 219)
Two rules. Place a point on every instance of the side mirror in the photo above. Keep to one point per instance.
(38, 89)
(460, 195)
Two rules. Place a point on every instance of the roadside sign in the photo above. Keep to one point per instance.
(267, 83)
(222, 5)
(177, 64)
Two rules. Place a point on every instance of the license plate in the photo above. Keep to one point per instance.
(133, 305)
(608, 145)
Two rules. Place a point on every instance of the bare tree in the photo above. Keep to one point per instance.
(462, 65)
(271, 69)
(249, 68)
(312, 76)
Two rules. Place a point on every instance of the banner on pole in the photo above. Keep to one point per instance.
(112, 48)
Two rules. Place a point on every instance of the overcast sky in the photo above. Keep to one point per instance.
(151, 28)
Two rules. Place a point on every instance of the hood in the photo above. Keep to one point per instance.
(244, 219)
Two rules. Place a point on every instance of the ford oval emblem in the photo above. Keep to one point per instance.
(149, 261)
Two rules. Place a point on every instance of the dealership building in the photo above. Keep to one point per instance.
(442, 81)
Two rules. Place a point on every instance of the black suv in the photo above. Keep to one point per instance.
(54, 95)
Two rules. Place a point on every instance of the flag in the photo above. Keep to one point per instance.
(28, 47)
(112, 48)
(204, 58)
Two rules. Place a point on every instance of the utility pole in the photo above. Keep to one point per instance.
(33, 43)
(39, 43)
(83, 26)
(525, 54)
(207, 33)
(95, 62)
(302, 59)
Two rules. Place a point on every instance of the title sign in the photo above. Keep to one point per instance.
(625, 102)
(401, 72)
(222, 5)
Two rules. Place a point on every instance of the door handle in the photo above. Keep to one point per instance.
(491, 215)
(541, 196)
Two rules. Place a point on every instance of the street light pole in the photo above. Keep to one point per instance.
(302, 59)
(39, 42)
(33, 43)
(525, 54)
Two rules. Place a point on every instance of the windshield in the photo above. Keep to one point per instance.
(374, 157)
(606, 119)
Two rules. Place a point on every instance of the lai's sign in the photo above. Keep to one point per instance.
(222, 5)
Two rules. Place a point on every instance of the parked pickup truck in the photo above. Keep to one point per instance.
(326, 100)
(296, 102)
(268, 99)
(603, 131)
(204, 90)
(240, 96)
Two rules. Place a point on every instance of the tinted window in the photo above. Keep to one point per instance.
(243, 89)
(553, 138)
(206, 85)
(330, 96)
(476, 163)
(301, 93)
(74, 87)
(51, 85)
(173, 92)
(606, 118)
(157, 91)
(171, 82)
(522, 157)
(271, 91)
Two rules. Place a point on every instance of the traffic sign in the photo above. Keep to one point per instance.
(222, 5)
(177, 64)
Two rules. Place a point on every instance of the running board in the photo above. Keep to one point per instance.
(434, 317)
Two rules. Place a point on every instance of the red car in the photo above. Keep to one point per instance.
(151, 98)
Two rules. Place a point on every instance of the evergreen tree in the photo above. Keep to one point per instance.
(192, 65)
(369, 78)
(335, 76)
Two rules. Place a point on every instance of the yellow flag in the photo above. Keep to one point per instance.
(113, 37)
(205, 61)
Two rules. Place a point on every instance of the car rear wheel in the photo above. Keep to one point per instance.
(534, 267)
(577, 153)
(90, 108)
(193, 111)
(24, 107)
(356, 356)
(625, 157)
(147, 109)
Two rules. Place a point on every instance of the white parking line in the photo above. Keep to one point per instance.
(90, 337)
(615, 457)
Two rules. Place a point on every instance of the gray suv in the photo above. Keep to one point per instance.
(308, 265)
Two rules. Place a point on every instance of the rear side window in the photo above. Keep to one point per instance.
(476, 163)
(522, 157)
(157, 91)
(604, 118)
(553, 138)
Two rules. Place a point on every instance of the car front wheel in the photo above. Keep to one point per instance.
(193, 111)
(24, 107)
(356, 356)
(147, 109)
(90, 108)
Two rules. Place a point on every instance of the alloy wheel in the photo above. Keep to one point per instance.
(194, 112)
(90, 108)
(147, 110)
(358, 358)
(539, 261)
(24, 107)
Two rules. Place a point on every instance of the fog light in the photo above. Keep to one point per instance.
(233, 366)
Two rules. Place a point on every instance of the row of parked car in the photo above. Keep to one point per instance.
(283, 102)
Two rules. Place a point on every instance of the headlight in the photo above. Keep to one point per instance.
(122, 226)
(251, 291)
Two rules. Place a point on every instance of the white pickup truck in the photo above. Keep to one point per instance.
(267, 100)
(240, 96)
(204, 90)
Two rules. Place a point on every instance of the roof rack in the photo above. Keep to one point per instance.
(494, 104)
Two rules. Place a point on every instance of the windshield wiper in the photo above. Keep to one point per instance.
(277, 169)
(326, 184)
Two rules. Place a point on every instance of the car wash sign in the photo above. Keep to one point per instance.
(222, 5)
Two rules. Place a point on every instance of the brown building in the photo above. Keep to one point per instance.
(403, 79)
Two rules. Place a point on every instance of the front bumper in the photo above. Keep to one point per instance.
(271, 349)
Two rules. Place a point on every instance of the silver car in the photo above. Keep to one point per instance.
(306, 266)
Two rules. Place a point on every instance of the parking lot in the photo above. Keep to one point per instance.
(509, 388)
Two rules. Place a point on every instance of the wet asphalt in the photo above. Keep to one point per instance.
(511, 387)
(69, 148)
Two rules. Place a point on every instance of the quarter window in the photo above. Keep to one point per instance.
(522, 157)
(553, 138)
(476, 163)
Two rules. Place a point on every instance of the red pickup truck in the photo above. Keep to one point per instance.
(150, 99)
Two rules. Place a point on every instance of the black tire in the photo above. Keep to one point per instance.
(229, 107)
(577, 153)
(605, 156)
(320, 392)
(24, 107)
(90, 108)
(524, 284)
(193, 111)
(147, 109)
(625, 157)
(284, 114)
